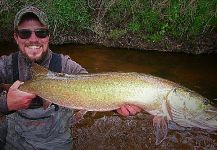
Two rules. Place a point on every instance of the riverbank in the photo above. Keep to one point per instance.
(171, 26)
(203, 44)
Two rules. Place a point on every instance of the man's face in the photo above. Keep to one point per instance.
(33, 47)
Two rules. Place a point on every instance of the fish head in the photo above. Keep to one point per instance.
(190, 109)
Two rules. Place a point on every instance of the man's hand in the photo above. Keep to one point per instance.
(127, 110)
(17, 99)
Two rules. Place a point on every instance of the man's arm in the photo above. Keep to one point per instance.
(3, 78)
(71, 67)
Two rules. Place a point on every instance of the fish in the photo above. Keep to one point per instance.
(166, 100)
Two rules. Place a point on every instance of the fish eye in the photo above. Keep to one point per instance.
(206, 101)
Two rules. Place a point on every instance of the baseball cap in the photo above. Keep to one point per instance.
(30, 9)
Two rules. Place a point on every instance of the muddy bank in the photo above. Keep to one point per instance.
(175, 26)
(203, 44)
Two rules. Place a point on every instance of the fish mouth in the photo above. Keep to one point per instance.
(208, 119)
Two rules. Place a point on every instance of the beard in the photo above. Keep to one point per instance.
(35, 57)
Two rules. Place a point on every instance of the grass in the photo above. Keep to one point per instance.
(152, 20)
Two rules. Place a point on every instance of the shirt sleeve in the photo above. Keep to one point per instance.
(3, 103)
(4, 78)
(71, 67)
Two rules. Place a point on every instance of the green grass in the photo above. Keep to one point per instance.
(116, 33)
(152, 20)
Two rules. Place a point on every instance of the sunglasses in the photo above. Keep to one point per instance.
(26, 33)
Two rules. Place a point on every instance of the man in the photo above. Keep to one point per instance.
(28, 125)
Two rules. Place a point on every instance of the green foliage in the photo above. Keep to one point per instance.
(68, 14)
(120, 11)
(202, 17)
(62, 14)
(134, 26)
(152, 20)
(157, 36)
(116, 33)
(188, 20)
(6, 19)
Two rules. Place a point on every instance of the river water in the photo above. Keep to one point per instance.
(108, 130)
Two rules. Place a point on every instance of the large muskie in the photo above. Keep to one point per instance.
(164, 99)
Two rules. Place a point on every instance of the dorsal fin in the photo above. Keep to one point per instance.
(38, 70)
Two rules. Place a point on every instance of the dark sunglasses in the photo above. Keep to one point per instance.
(26, 33)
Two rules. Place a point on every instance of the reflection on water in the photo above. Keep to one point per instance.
(110, 131)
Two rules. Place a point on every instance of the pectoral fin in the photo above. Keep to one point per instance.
(160, 127)
(174, 126)
(78, 116)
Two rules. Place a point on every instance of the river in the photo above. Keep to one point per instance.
(109, 130)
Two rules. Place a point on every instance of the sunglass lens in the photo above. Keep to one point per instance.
(42, 33)
(24, 33)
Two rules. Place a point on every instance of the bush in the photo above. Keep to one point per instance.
(152, 20)
(181, 19)
(62, 14)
